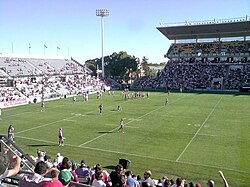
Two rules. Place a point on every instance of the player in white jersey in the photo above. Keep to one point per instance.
(60, 137)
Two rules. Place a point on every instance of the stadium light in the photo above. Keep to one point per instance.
(102, 13)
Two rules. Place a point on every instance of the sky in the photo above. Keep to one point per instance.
(72, 25)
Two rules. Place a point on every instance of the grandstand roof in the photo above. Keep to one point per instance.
(236, 27)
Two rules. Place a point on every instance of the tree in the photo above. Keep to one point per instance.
(145, 66)
(117, 65)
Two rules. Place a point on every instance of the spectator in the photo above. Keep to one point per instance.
(63, 165)
(73, 172)
(37, 179)
(54, 182)
(83, 170)
(98, 181)
(115, 176)
(124, 181)
(147, 178)
(59, 158)
(130, 181)
(65, 177)
(105, 174)
(179, 182)
(5, 162)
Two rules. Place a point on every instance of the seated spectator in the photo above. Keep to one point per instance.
(37, 179)
(73, 171)
(65, 177)
(5, 162)
(63, 165)
(54, 182)
(74, 176)
(98, 182)
(83, 170)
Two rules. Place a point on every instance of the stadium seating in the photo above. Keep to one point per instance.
(204, 65)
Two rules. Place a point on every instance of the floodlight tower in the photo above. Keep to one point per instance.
(102, 13)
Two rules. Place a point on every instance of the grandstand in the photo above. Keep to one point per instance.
(205, 55)
(25, 79)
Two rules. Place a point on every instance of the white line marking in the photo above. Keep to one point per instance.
(127, 123)
(199, 129)
(119, 126)
(112, 130)
(69, 120)
(207, 135)
(136, 155)
(44, 125)
(57, 121)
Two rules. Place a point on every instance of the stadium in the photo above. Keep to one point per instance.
(201, 130)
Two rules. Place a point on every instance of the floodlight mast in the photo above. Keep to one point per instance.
(102, 13)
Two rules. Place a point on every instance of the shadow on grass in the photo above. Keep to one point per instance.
(103, 132)
(41, 145)
(109, 167)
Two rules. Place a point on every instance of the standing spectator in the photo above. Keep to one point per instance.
(115, 176)
(130, 180)
(147, 178)
(5, 162)
(139, 180)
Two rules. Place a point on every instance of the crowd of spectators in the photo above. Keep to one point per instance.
(198, 75)
(62, 171)
(9, 94)
(49, 87)
(209, 48)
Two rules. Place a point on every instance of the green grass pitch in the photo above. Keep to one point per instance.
(193, 136)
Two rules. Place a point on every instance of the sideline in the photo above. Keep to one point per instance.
(137, 155)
